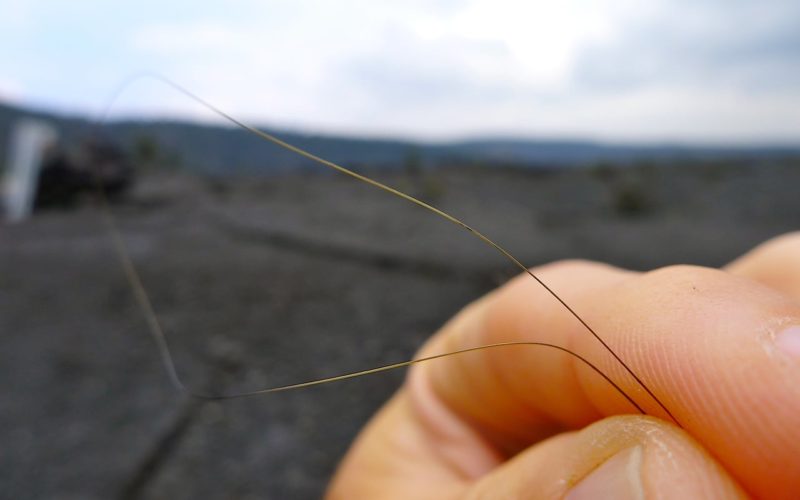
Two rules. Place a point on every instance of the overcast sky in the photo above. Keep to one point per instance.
(694, 71)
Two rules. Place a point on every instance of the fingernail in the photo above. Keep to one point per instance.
(619, 477)
(789, 341)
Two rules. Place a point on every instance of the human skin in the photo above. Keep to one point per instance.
(719, 348)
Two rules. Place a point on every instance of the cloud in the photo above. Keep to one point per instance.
(10, 90)
(179, 39)
(744, 45)
(618, 69)
(407, 71)
(16, 15)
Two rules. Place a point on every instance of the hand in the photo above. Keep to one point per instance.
(720, 348)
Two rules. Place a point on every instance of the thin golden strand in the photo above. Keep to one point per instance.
(155, 328)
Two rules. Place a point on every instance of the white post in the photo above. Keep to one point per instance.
(29, 139)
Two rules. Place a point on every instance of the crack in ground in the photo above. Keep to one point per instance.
(169, 441)
(161, 451)
(381, 260)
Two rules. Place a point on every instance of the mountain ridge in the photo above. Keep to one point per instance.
(222, 149)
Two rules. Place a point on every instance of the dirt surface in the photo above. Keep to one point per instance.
(262, 282)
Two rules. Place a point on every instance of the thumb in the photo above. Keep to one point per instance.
(626, 457)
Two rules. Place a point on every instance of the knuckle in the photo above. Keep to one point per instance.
(569, 266)
(680, 275)
(783, 242)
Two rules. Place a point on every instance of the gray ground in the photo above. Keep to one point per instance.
(273, 281)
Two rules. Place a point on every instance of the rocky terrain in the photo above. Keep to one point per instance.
(268, 281)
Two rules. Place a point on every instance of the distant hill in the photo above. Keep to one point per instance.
(219, 149)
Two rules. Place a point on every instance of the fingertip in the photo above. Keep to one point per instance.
(709, 345)
(775, 263)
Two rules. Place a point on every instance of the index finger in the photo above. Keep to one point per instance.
(702, 340)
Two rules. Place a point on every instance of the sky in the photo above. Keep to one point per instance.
(701, 71)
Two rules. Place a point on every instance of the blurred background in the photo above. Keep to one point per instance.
(641, 134)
